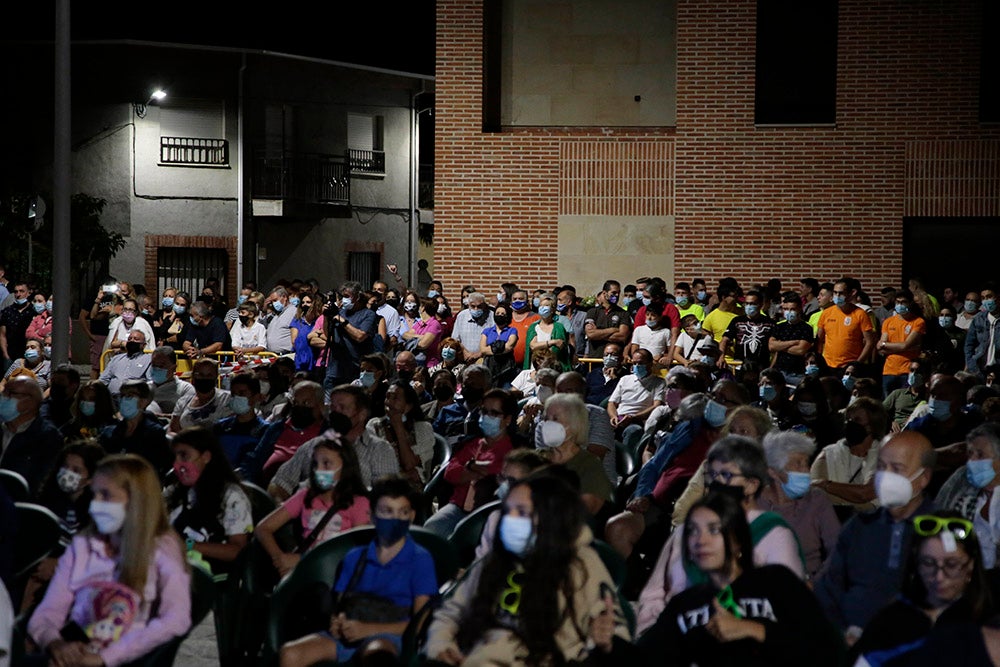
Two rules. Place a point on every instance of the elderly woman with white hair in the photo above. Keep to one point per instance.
(565, 430)
(807, 510)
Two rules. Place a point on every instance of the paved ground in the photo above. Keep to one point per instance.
(199, 649)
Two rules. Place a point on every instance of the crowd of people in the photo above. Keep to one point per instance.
(788, 476)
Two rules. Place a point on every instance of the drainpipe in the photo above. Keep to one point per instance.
(241, 203)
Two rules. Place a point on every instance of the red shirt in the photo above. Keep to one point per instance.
(669, 311)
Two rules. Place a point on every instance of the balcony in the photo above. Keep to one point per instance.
(366, 163)
(194, 152)
(307, 183)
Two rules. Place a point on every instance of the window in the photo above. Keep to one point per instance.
(796, 71)
(364, 144)
(364, 267)
(192, 132)
(187, 269)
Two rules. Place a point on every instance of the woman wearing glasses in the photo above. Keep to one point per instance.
(944, 585)
(739, 612)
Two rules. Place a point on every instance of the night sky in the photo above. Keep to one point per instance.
(392, 35)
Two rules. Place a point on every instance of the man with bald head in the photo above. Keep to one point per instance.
(30, 443)
(865, 571)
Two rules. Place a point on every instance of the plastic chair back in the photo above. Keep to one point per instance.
(261, 502)
(36, 536)
(469, 531)
(15, 485)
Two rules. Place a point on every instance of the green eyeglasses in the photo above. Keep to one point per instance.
(726, 601)
(928, 525)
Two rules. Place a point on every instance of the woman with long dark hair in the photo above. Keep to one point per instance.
(532, 599)
(406, 428)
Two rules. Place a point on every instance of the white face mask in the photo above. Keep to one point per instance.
(109, 517)
(553, 433)
(894, 490)
(543, 393)
(68, 481)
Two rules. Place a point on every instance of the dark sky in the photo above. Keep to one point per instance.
(393, 35)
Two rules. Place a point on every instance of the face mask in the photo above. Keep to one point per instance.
(536, 301)
(302, 416)
(980, 472)
(652, 324)
(520, 304)
(240, 405)
(31, 354)
(560, 307)
(39, 307)
(465, 301)
(791, 316)
(187, 473)
(109, 517)
(244, 320)
(203, 385)
(179, 310)
(129, 318)
(265, 387)
(940, 409)
(390, 531)
(683, 301)
(502, 490)
(854, 433)
(443, 392)
(737, 493)
(410, 306)
(946, 321)
(715, 413)
(367, 378)
(472, 394)
(812, 369)
(133, 347)
(517, 534)
(442, 309)
(21, 302)
(545, 311)
(848, 382)
(501, 297)
(797, 485)
(646, 301)
(706, 359)
(490, 426)
(894, 490)
(241, 299)
(610, 361)
(168, 302)
(448, 353)
(129, 407)
(839, 300)
(612, 299)
(159, 375)
(68, 481)
(431, 294)
(476, 313)
(47, 350)
(88, 408)
(807, 409)
(404, 375)
(501, 321)
(768, 392)
(553, 433)
(971, 306)
(325, 479)
(8, 409)
(626, 300)
(751, 309)
(989, 305)
(914, 379)
(639, 371)
(278, 306)
(347, 303)
(902, 309)
(543, 393)
(702, 295)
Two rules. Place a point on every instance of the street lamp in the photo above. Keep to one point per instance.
(140, 108)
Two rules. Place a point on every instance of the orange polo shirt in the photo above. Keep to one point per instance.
(844, 334)
(897, 329)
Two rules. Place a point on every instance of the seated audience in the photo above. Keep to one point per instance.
(138, 432)
(30, 442)
(207, 405)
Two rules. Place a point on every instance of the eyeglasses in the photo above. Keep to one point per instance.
(929, 567)
(928, 525)
(723, 476)
(492, 413)
(725, 401)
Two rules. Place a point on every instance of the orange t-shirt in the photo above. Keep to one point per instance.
(522, 336)
(897, 330)
(844, 334)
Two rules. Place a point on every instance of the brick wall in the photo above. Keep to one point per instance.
(750, 202)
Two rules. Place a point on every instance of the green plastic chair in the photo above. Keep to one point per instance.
(15, 484)
(469, 531)
(320, 566)
(36, 536)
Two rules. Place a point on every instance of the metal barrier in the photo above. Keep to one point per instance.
(185, 363)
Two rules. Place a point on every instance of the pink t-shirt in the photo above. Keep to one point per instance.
(358, 514)
(430, 326)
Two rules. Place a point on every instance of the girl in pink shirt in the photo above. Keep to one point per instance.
(99, 608)
(334, 485)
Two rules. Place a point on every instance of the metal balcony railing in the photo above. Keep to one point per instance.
(371, 163)
(193, 151)
(308, 177)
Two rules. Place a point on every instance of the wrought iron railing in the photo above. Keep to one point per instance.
(366, 162)
(193, 151)
(308, 177)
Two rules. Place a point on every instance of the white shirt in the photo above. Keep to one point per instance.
(255, 336)
(656, 341)
(632, 395)
(988, 532)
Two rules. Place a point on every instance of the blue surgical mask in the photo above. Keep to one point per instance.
(536, 301)
(39, 307)
(715, 413)
(346, 303)
(902, 309)
(179, 310)
(839, 299)
(940, 409)
(683, 301)
(989, 305)
(390, 531)
(88, 408)
(560, 307)
(812, 369)
(797, 485)
(791, 316)
(545, 311)
(21, 302)
(971, 306)
(168, 302)
(278, 306)
(639, 371)
(490, 426)
(240, 405)
(241, 299)
(8, 409)
(476, 313)
(295, 301)
(31, 354)
(980, 472)
(626, 300)
(768, 392)
(159, 375)
(517, 534)
(367, 378)
(48, 305)
(646, 301)
(702, 295)
(325, 479)
(519, 304)
(502, 490)
(848, 382)
(610, 361)
(914, 379)
(751, 309)
(946, 321)
(129, 407)
(448, 353)
(432, 294)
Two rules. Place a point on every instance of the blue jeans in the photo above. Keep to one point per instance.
(445, 519)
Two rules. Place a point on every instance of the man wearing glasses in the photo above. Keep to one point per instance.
(30, 444)
(865, 571)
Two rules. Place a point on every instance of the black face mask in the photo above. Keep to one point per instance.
(203, 385)
(405, 376)
(443, 392)
(393, 302)
(854, 433)
(302, 416)
(472, 394)
(502, 321)
(58, 393)
(734, 492)
(133, 347)
(245, 320)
